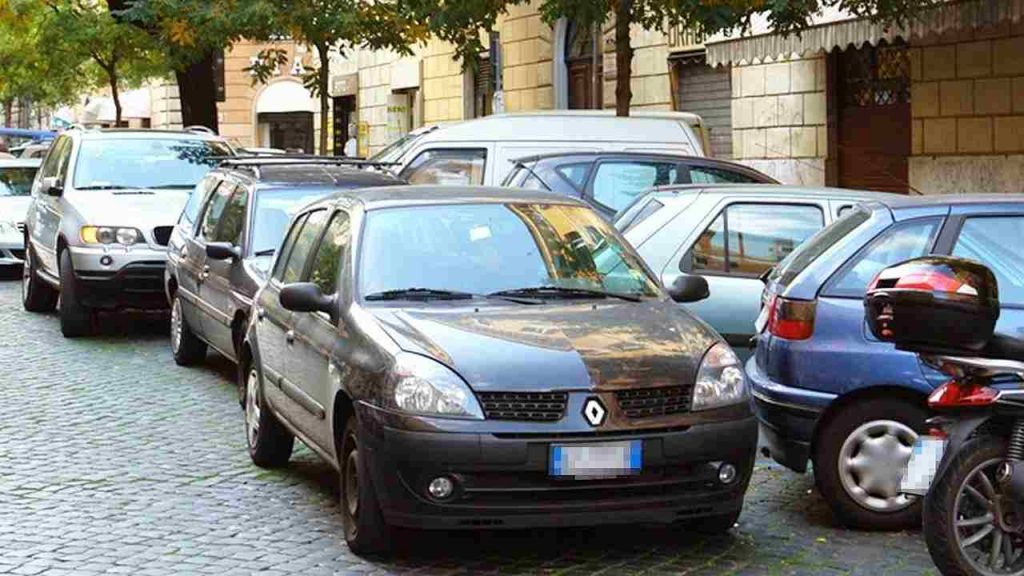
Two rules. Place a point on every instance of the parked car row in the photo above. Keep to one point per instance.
(469, 356)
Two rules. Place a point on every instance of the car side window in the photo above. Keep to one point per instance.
(304, 244)
(232, 220)
(900, 242)
(287, 245)
(331, 255)
(747, 239)
(617, 184)
(455, 166)
(844, 210)
(196, 199)
(713, 175)
(995, 241)
(52, 163)
(214, 210)
(576, 174)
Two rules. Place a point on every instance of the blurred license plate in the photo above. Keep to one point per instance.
(923, 464)
(605, 459)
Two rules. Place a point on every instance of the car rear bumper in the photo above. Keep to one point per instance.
(129, 279)
(503, 482)
(788, 417)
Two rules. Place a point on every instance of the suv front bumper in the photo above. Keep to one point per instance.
(115, 278)
(503, 481)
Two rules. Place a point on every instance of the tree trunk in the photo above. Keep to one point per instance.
(197, 92)
(325, 66)
(115, 95)
(623, 57)
(8, 113)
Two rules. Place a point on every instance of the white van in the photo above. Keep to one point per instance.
(481, 151)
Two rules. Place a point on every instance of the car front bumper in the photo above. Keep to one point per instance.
(12, 251)
(503, 481)
(788, 417)
(114, 278)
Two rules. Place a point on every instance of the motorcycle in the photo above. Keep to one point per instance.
(970, 466)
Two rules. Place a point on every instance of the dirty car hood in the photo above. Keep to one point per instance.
(573, 346)
(128, 208)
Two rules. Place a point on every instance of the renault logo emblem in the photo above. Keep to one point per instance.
(594, 411)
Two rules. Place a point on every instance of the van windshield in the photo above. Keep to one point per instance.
(392, 152)
(800, 258)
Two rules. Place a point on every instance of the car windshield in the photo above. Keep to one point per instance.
(16, 181)
(272, 214)
(488, 248)
(154, 163)
(807, 252)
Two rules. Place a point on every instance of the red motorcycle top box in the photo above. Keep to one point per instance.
(935, 304)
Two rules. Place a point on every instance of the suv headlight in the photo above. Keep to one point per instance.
(419, 385)
(720, 379)
(110, 235)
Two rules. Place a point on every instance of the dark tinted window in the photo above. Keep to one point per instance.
(232, 221)
(289, 243)
(807, 252)
(710, 175)
(304, 244)
(996, 242)
(214, 210)
(617, 184)
(16, 181)
(331, 255)
(898, 243)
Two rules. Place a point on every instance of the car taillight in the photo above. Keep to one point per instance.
(954, 395)
(791, 319)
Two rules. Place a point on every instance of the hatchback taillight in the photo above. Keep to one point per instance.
(954, 395)
(791, 319)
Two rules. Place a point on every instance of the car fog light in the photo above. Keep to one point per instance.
(727, 473)
(106, 260)
(441, 487)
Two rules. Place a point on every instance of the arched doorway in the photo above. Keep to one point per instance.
(284, 117)
(583, 69)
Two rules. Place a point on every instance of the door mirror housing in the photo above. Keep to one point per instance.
(305, 297)
(223, 251)
(52, 186)
(688, 288)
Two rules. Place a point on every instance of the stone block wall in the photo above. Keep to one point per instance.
(527, 58)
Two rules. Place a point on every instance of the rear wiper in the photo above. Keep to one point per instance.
(267, 252)
(541, 291)
(419, 294)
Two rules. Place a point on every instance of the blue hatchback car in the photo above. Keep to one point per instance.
(826, 391)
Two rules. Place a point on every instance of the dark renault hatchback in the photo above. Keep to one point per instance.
(473, 357)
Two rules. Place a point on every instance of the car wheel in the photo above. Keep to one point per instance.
(187, 348)
(36, 295)
(270, 443)
(859, 462)
(75, 319)
(366, 532)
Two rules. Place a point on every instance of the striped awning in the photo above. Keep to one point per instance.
(858, 31)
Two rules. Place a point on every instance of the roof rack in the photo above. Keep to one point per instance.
(199, 129)
(296, 160)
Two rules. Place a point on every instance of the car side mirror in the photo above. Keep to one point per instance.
(305, 297)
(52, 186)
(689, 288)
(222, 251)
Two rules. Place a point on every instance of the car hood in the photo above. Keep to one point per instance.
(14, 208)
(574, 346)
(127, 208)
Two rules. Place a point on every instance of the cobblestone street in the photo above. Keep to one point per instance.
(114, 460)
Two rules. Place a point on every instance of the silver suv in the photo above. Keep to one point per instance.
(103, 206)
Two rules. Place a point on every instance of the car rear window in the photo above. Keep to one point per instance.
(636, 217)
(808, 252)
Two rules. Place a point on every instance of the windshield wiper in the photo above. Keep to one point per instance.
(172, 187)
(541, 291)
(419, 294)
(105, 187)
(267, 252)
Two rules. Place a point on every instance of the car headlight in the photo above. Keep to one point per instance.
(419, 385)
(720, 379)
(110, 235)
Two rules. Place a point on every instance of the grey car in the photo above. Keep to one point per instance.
(103, 207)
(486, 357)
(16, 176)
(730, 234)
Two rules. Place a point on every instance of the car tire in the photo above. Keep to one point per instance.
(187, 348)
(36, 294)
(75, 319)
(366, 531)
(861, 440)
(270, 443)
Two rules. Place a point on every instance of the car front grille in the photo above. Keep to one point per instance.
(162, 234)
(143, 277)
(653, 402)
(526, 406)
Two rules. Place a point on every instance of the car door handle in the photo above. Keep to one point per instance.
(289, 337)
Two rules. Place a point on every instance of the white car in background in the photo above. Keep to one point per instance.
(16, 176)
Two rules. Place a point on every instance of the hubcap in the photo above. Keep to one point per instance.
(176, 324)
(252, 408)
(871, 463)
(987, 532)
(352, 483)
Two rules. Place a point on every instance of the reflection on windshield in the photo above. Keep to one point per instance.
(487, 248)
(163, 163)
(16, 181)
(273, 212)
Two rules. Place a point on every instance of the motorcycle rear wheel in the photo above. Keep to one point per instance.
(967, 521)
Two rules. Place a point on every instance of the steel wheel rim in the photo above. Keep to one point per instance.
(252, 408)
(176, 325)
(352, 483)
(871, 463)
(980, 537)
